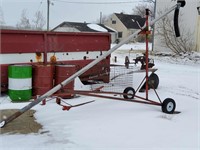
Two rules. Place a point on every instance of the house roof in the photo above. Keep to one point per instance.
(130, 21)
(107, 28)
(7, 27)
(85, 27)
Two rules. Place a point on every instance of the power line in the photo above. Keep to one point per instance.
(40, 5)
(89, 2)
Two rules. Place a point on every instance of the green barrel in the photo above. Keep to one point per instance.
(20, 82)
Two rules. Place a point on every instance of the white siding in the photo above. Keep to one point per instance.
(118, 26)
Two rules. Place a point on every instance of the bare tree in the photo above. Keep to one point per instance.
(24, 21)
(2, 21)
(165, 32)
(140, 9)
(39, 21)
(150, 1)
(104, 18)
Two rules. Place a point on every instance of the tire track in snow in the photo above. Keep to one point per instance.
(183, 91)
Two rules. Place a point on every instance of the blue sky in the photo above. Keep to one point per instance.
(64, 10)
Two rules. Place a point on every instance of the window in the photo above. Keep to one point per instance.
(119, 34)
(113, 21)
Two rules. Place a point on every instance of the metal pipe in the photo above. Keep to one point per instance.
(80, 72)
(147, 53)
(48, 5)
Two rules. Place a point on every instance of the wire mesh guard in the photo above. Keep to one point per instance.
(120, 78)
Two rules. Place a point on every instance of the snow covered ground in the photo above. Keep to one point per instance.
(116, 125)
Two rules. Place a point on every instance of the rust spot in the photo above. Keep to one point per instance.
(38, 56)
(53, 59)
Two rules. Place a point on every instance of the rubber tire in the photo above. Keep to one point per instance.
(127, 91)
(2, 123)
(168, 106)
(154, 79)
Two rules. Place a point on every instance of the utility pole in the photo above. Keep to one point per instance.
(100, 18)
(48, 5)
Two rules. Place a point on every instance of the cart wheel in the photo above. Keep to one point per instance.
(2, 124)
(130, 91)
(168, 106)
(153, 80)
(152, 83)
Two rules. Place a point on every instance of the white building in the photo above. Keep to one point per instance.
(190, 19)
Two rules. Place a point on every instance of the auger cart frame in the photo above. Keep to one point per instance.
(168, 105)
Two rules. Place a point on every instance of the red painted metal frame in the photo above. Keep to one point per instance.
(23, 41)
(100, 95)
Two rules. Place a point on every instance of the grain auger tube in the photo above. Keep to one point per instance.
(180, 3)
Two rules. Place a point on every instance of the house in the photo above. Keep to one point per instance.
(189, 21)
(125, 24)
(85, 27)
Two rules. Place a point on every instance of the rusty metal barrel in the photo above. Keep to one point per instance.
(42, 79)
(62, 72)
(4, 77)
